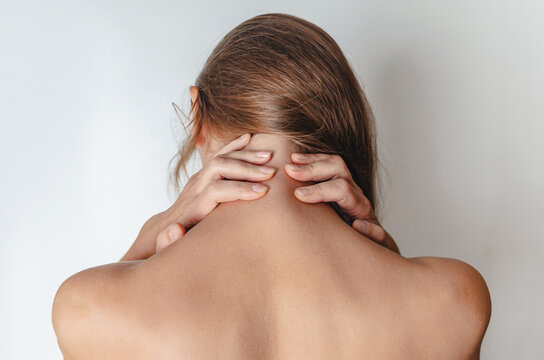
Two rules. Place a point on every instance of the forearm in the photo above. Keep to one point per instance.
(141, 249)
(145, 244)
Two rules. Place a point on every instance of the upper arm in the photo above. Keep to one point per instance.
(90, 311)
(462, 300)
(472, 300)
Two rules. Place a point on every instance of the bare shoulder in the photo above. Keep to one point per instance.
(90, 311)
(460, 301)
(460, 282)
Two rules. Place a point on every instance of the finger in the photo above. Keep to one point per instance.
(332, 167)
(341, 191)
(162, 241)
(222, 167)
(220, 191)
(235, 144)
(332, 190)
(228, 190)
(257, 157)
(373, 231)
(168, 236)
(176, 231)
(307, 158)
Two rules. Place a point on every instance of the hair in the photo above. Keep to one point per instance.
(280, 74)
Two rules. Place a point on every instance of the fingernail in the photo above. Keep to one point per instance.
(299, 155)
(302, 191)
(243, 136)
(258, 187)
(263, 154)
(266, 170)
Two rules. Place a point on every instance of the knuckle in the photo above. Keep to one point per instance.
(343, 169)
(317, 191)
(340, 165)
(344, 186)
(337, 159)
(348, 200)
(210, 190)
(235, 187)
(244, 186)
(316, 188)
(310, 157)
(217, 161)
(308, 169)
(213, 161)
(251, 167)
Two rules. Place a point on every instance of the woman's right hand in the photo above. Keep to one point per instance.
(232, 174)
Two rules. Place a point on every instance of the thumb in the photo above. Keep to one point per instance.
(373, 231)
(169, 235)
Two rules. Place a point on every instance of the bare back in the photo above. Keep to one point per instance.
(294, 287)
(273, 278)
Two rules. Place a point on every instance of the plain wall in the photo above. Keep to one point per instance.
(87, 130)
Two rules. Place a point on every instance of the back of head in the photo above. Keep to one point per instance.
(280, 74)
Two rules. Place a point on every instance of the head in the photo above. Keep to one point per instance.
(280, 74)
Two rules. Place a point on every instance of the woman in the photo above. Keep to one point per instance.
(286, 274)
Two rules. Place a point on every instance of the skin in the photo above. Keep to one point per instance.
(231, 178)
(271, 278)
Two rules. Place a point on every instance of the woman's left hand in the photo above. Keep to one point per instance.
(335, 184)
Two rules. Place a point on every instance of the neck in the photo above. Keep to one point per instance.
(281, 185)
(278, 207)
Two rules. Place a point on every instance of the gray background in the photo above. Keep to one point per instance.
(87, 131)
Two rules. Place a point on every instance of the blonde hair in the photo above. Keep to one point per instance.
(280, 74)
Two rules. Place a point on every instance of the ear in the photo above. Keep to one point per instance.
(193, 90)
(200, 141)
(201, 137)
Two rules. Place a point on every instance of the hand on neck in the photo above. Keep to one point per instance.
(281, 183)
(279, 204)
